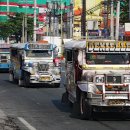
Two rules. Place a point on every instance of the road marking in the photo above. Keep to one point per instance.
(30, 127)
(3, 91)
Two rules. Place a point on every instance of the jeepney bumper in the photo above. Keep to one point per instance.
(110, 100)
(44, 79)
(113, 104)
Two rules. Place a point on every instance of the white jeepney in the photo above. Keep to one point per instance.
(97, 76)
(34, 63)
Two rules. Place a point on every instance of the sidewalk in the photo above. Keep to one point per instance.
(7, 123)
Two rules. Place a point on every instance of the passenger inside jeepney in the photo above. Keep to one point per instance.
(109, 58)
(38, 53)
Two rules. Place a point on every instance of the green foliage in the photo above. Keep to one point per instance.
(124, 10)
(14, 26)
(5, 29)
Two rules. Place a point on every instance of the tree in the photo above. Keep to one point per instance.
(5, 29)
(124, 10)
(124, 14)
(14, 27)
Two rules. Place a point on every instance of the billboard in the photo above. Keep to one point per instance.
(93, 6)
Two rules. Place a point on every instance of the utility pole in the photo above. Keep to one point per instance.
(117, 20)
(71, 20)
(62, 42)
(112, 21)
(83, 20)
(129, 9)
(25, 40)
(7, 17)
(62, 6)
(23, 29)
(35, 20)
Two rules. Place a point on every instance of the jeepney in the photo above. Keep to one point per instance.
(34, 63)
(4, 56)
(97, 76)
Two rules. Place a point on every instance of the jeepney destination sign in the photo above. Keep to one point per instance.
(108, 46)
(39, 46)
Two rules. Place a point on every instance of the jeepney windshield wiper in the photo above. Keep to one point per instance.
(124, 59)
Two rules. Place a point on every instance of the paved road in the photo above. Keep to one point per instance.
(41, 109)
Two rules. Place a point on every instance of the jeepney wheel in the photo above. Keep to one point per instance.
(85, 108)
(26, 80)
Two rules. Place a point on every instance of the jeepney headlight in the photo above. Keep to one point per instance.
(34, 64)
(30, 64)
(99, 79)
(56, 71)
(126, 78)
(26, 64)
(87, 77)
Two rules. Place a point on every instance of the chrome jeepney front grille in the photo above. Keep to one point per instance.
(113, 79)
(43, 67)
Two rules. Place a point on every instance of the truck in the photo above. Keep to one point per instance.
(4, 56)
(97, 76)
(34, 63)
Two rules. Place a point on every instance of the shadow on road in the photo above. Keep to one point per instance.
(107, 116)
(34, 86)
(112, 116)
(4, 71)
(61, 106)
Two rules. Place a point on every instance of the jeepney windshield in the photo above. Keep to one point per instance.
(38, 53)
(112, 58)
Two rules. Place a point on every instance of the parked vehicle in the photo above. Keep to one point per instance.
(4, 56)
(97, 76)
(34, 63)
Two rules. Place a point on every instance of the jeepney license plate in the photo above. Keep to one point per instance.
(116, 102)
(45, 78)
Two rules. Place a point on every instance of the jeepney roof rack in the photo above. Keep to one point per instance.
(24, 45)
(82, 43)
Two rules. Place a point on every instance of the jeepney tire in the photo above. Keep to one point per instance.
(26, 80)
(65, 98)
(75, 110)
(85, 108)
